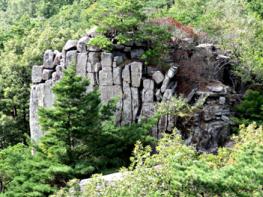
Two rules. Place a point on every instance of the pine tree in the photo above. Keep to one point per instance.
(80, 130)
(73, 121)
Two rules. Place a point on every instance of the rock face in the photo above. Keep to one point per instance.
(193, 72)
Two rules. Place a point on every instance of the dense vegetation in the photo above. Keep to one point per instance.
(81, 139)
(71, 150)
(178, 170)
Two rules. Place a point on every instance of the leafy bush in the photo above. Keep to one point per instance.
(250, 109)
(22, 174)
(178, 170)
(124, 22)
(81, 138)
(101, 41)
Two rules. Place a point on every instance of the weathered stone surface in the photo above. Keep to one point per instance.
(127, 115)
(47, 74)
(37, 74)
(35, 131)
(118, 113)
(91, 68)
(106, 78)
(127, 49)
(55, 76)
(172, 71)
(108, 180)
(94, 57)
(59, 68)
(148, 91)
(151, 70)
(58, 74)
(81, 67)
(136, 53)
(222, 100)
(117, 76)
(136, 73)
(205, 45)
(171, 123)
(135, 103)
(148, 84)
(48, 59)
(93, 49)
(167, 94)
(191, 95)
(118, 60)
(82, 44)
(158, 95)
(162, 124)
(126, 74)
(147, 95)
(58, 57)
(41, 96)
(92, 79)
(216, 88)
(147, 110)
(209, 140)
(97, 67)
(110, 92)
(158, 77)
(165, 84)
(70, 45)
(106, 60)
(71, 58)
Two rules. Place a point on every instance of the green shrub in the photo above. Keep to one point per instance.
(23, 175)
(178, 170)
(102, 42)
(250, 109)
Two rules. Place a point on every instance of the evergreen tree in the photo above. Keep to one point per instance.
(73, 121)
(250, 109)
(80, 132)
(23, 174)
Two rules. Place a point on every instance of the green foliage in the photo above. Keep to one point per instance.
(250, 109)
(80, 139)
(188, 12)
(233, 25)
(178, 170)
(158, 38)
(117, 17)
(72, 123)
(127, 22)
(256, 6)
(101, 41)
(79, 131)
(47, 8)
(9, 133)
(23, 175)
(23, 38)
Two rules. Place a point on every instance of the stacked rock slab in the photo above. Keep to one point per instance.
(120, 74)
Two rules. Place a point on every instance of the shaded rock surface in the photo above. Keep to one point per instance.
(193, 71)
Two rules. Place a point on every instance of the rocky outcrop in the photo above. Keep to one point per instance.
(193, 71)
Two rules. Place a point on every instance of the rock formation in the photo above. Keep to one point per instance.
(194, 71)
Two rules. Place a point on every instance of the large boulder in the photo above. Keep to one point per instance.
(48, 59)
(36, 76)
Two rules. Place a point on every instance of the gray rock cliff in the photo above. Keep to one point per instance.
(194, 71)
